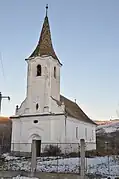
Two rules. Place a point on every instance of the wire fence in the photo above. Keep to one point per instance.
(104, 162)
(59, 158)
(53, 157)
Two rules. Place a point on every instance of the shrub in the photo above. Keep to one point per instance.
(52, 150)
(91, 153)
(73, 154)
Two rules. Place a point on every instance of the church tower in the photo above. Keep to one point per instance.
(43, 74)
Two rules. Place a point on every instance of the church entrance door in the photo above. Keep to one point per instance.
(38, 148)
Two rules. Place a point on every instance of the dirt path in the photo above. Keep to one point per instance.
(41, 175)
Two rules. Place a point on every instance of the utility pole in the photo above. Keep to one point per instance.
(3, 97)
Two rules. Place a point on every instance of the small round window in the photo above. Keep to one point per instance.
(37, 106)
(35, 121)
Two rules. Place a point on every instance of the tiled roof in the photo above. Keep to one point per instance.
(75, 111)
(44, 46)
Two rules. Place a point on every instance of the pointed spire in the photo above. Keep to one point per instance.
(44, 46)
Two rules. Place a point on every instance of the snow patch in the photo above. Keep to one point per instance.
(108, 128)
(23, 177)
(103, 166)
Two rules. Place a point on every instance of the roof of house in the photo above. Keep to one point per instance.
(74, 110)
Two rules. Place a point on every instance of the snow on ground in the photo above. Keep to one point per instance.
(23, 177)
(97, 165)
(8, 157)
(108, 128)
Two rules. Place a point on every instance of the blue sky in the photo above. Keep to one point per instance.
(85, 36)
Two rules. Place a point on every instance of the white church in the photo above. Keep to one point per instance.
(45, 115)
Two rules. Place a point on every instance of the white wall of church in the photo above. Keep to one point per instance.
(77, 130)
(16, 129)
(48, 129)
(58, 130)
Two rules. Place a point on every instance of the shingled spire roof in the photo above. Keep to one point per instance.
(44, 46)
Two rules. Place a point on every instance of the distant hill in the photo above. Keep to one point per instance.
(108, 138)
(105, 122)
(5, 133)
(108, 128)
(2, 118)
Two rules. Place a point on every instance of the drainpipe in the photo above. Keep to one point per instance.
(65, 126)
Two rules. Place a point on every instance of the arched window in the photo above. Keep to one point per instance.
(54, 72)
(86, 134)
(37, 106)
(38, 70)
(76, 132)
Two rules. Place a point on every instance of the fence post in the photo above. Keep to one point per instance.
(82, 155)
(33, 158)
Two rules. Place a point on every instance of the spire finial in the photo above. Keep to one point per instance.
(46, 10)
